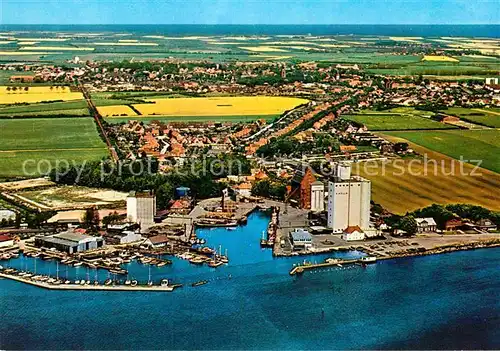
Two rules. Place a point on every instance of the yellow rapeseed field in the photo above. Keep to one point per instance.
(36, 94)
(262, 49)
(116, 111)
(439, 58)
(212, 106)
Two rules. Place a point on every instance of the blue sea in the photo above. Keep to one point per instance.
(445, 301)
(491, 31)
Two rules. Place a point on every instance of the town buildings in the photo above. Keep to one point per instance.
(141, 208)
(348, 200)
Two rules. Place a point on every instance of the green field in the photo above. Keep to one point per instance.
(470, 144)
(378, 122)
(489, 117)
(165, 119)
(70, 108)
(400, 118)
(45, 141)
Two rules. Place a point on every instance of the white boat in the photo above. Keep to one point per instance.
(164, 282)
(77, 281)
(127, 282)
(78, 264)
(369, 259)
(133, 283)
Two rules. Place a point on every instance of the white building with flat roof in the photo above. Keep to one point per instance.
(317, 196)
(348, 200)
(141, 208)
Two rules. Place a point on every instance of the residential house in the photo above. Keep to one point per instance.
(426, 225)
(453, 224)
(353, 233)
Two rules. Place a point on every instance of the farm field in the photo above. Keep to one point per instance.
(70, 108)
(375, 53)
(402, 192)
(183, 119)
(378, 121)
(212, 106)
(485, 116)
(65, 197)
(32, 94)
(49, 139)
(470, 144)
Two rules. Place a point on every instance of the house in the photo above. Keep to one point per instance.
(301, 187)
(301, 239)
(353, 233)
(453, 224)
(124, 237)
(486, 224)
(181, 206)
(426, 225)
(6, 240)
(157, 241)
(21, 79)
(243, 189)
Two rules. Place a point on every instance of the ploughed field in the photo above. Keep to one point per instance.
(206, 108)
(40, 143)
(409, 184)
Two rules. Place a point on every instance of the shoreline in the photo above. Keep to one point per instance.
(495, 243)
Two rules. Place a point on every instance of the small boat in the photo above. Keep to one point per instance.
(87, 282)
(161, 264)
(96, 282)
(369, 259)
(133, 283)
(108, 282)
(67, 282)
(164, 282)
(127, 282)
(77, 282)
(201, 282)
(78, 264)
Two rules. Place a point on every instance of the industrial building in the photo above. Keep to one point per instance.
(317, 196)
(70, 242)
(348, 200)
(141, 208)
(301, 239)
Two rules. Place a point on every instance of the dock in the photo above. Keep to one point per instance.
(329, 263)
(72, 286)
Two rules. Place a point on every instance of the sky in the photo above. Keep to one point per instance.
(249, 12)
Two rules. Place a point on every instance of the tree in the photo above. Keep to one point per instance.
(408, 224)
(112, 218)
(91, 217)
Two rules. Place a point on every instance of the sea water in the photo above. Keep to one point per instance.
(442, 301)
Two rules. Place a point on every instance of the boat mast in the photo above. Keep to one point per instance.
(57, 270)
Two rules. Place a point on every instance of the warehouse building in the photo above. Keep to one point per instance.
(70, 242)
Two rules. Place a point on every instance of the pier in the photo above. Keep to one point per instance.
(330, 262)
(72, 286)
